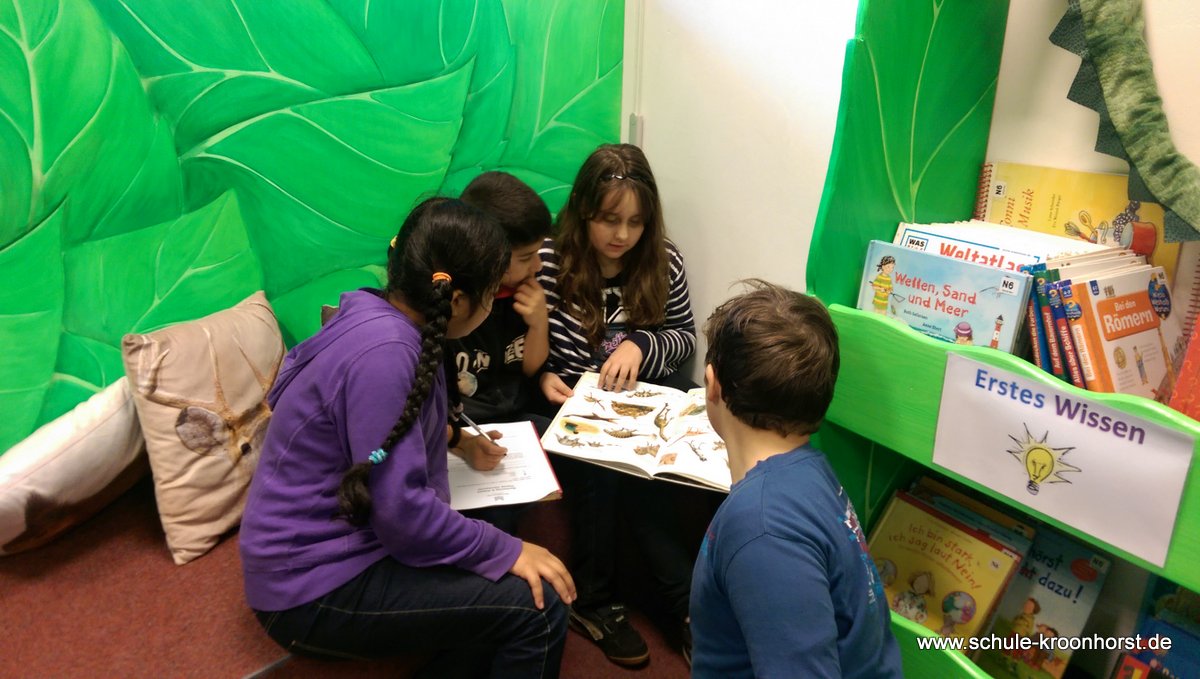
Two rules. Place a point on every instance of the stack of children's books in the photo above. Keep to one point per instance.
(1110, 321)
(965, 569)
(960, 282)
(944, 558)
(1099, 317)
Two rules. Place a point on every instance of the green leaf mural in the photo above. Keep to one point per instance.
(211, 65)
(31, 307)
(567, 97)
(75, 121)
(911, 134)
(194, 152)
(295, 311)
(327, 183)
(84, 367)
(176, 271)
(912, 130)
(454, 35)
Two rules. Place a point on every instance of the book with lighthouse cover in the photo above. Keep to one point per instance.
(945, 298)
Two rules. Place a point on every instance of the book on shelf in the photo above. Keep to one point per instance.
(524, 475)
(1186, 284)
(650, 431)
(1088, 206)
(937, 570)
(1173, 603)
(995, 245)
(1039, 348)
(1127, 328)
(946, 298)
(1180, 661)
(1067, 349)
(1052, 595)
(974, 512)
(1051, 357)
(1186, 396)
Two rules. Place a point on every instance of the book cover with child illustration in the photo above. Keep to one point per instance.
(938, 571)
(1052, 594)
(945, 298)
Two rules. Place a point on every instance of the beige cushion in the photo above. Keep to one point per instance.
(69, 469)
(200, 389)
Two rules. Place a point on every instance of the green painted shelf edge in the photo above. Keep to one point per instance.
(919, 662)
(890, 388)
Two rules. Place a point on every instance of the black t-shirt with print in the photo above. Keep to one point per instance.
(488, 365)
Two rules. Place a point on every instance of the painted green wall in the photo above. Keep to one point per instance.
(160, 161)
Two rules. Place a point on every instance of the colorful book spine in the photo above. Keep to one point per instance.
(1033, 322)
(1041, 282)
(1062, 332)
(1079, 336)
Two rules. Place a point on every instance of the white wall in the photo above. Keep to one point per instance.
(738, 100)
(1035, 123)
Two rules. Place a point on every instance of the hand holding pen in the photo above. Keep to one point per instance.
(481, 452)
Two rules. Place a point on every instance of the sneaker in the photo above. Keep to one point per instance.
(610, 628)
(686, 642)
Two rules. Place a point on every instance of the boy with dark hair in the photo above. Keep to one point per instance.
(783, 584)
(493, 364)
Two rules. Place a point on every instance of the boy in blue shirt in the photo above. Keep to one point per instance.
(783, 585)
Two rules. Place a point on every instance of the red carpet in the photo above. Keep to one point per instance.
(105, 600)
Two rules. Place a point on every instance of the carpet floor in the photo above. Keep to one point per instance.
(105, 600)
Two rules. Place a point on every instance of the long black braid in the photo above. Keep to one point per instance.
(468, 252)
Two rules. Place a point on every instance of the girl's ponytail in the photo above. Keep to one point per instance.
(354, 497)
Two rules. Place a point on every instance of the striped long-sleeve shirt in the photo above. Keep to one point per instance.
(663, 348)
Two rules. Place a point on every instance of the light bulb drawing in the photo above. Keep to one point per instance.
(1043, 463)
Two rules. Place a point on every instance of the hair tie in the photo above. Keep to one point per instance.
(378, 455)
(441, 276)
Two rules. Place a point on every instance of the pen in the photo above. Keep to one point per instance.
(473, 426)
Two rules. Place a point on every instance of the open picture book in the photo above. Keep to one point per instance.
(523, 476)
(649, 431)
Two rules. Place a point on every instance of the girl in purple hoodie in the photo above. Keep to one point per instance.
(349, 545)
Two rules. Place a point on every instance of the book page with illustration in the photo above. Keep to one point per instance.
(649, 431)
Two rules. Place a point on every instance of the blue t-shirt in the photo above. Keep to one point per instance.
(784, 586)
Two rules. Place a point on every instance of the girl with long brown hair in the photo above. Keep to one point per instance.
(619, 306)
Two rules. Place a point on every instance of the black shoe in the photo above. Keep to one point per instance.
(687, 643)
(610, 628)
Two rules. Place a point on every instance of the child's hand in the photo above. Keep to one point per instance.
(536, 563)
(481, 453)
(530, 301)
(554, 389)
(620, 371)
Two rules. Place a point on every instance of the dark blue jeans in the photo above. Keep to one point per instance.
(472, 626)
